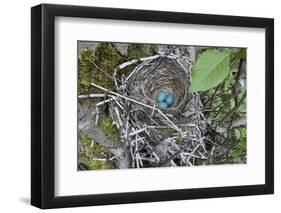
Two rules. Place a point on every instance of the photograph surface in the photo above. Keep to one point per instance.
(160, 105)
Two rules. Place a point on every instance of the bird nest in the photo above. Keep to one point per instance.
(155, 136)
(164, 74)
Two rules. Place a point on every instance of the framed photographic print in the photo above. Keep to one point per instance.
(139, 106)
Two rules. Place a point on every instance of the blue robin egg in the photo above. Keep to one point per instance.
(163, 105)
(169, 100)
(161, 96)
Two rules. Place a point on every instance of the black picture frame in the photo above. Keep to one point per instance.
(43, 102)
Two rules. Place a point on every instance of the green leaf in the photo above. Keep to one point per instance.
(211, 68)
(237, 134)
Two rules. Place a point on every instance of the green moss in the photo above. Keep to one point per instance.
(93, 150)
(86, 74)
(126, 71)
(96, 164)
(110, 131)
(107, 58)
(140, 50)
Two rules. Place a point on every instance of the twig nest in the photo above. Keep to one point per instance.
(162, 82)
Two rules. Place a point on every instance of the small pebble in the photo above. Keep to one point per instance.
(169, 100)
(162, 96)
(163, 105)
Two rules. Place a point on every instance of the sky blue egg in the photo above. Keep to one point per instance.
(161, 96)
(163, 105)
(169, 100)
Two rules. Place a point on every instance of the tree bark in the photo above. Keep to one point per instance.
(87, 125)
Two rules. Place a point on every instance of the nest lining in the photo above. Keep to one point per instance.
(162, 74)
